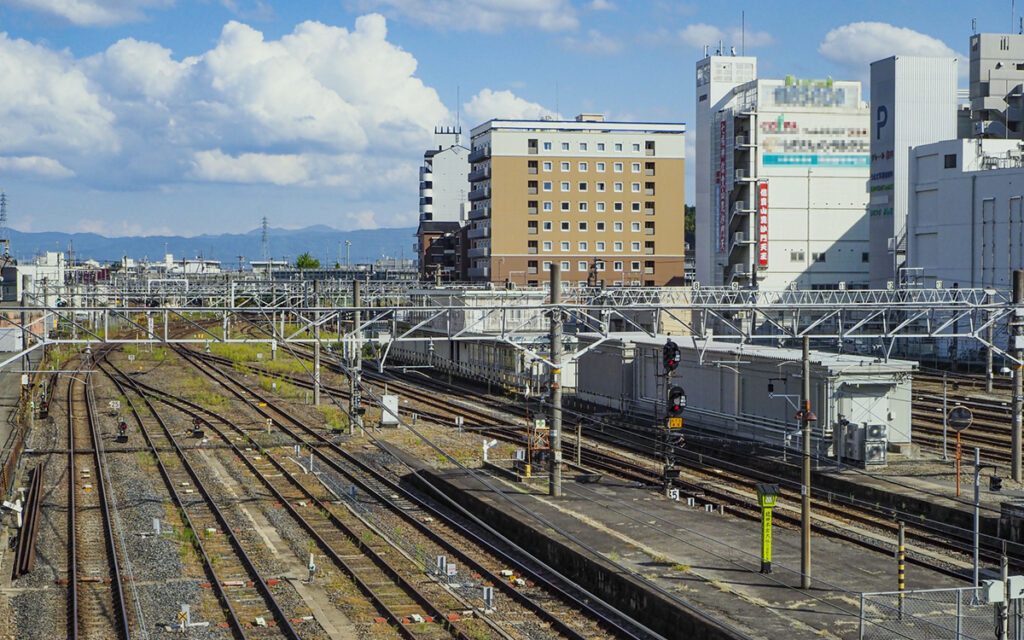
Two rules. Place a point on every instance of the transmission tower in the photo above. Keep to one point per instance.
(266, 242)
(4, 233)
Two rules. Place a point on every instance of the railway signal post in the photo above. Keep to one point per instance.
(555, 462)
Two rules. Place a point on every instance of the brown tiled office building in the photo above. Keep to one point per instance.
(604, 199)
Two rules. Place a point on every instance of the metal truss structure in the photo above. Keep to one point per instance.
(293, 311)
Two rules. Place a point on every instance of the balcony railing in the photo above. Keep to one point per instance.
(478, 154)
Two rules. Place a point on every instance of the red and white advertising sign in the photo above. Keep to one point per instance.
(762, 224)
(722, 198)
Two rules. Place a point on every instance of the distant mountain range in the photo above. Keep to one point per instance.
(322, 242)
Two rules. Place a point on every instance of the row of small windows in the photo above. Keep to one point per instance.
(600, 187)
(599, 246)
(648, 146)
(584, 167)
(798, 256)
(599, 265)
(583, 225)
(600, 207)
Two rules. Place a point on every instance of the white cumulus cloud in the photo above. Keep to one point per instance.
(88, 13)
(37, 165)
(595, 42)
(602, 5)
(699, 34)
(490, 104)
(482, 15)
(858, 44)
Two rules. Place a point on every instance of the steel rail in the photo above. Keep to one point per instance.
(326, 546)
(399, 489)
(284, 622)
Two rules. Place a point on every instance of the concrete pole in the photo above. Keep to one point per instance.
(977, 505)
(555, 463)
(356, 362)
(26, 284)
(316, 345)
(1018, 379)
(988, 352)
(805, 503)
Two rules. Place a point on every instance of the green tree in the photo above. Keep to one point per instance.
(306, 261)
(690, 223)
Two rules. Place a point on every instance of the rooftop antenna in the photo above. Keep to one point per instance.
(458, 109)
(974, 26)
(266, 243)
(556, 100)
(4, 233)
(743, 33)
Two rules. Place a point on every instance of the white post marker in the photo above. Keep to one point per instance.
(270, 423)
(488, 446)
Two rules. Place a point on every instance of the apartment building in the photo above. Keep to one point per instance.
(603, 199)
(443, 205)
(781, 179)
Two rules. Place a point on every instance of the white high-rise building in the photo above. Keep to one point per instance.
(782, 171)
(913, 102)
(444, 203)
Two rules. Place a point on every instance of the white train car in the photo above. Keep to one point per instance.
(752, 391)
(488, 359)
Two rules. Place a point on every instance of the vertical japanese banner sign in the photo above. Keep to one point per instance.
(762, 224)
(722, 200)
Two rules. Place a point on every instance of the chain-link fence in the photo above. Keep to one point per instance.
(929, 614)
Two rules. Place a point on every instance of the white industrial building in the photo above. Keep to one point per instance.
(444, 182)
(913, 102)
(965, 226)
(782, 171)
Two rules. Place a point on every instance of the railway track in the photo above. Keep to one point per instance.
(243, 593)
(96, 601)
(485, 559)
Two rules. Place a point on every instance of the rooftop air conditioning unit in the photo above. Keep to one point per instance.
(741, 140)
(874, 452)
(740, 269)
(738, 237)
(741, 174)
(877, 432)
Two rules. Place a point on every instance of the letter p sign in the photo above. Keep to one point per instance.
(881, 118)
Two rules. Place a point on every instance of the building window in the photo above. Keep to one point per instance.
(546, 246)
(565, 186)
(583, 167)
(635, 187)
(531, 246)
(564, 225)
(864, 257)
(634, 266)
(582, 225)
(531, 227)
(599, 225)
(565, 205)
(636, 146)
(547, 265)
(531, 266)
(564, 166)
(617, 167)
(582, 186)
(599, 245)
(617, 187)
(547, 205)
(565, 146)
(565, 265)
(581, 265)
(583, 206)
(617, 246)
(599, 186)
(618, 146)
(547, 165)
(617, 207)
(634, 247)
(582, 244)
(547, 225)
(634, 227)
(600, 207)
(564, 246)
(600, 146)
(635, 167)
(950, 160)
(616, 226)
(599, 265)
(547, 186)
(583, 146)
(616, 266)
(634, 207)
(796, 256)
(547, 146)
(818, 257)
(599, 167)
(531, 206)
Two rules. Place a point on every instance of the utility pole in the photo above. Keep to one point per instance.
(1018, 378)
(988, 350)
(356, 363)
(805, 503)
(316, 344)
(555, 463)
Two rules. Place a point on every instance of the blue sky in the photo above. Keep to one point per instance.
(138, 117)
